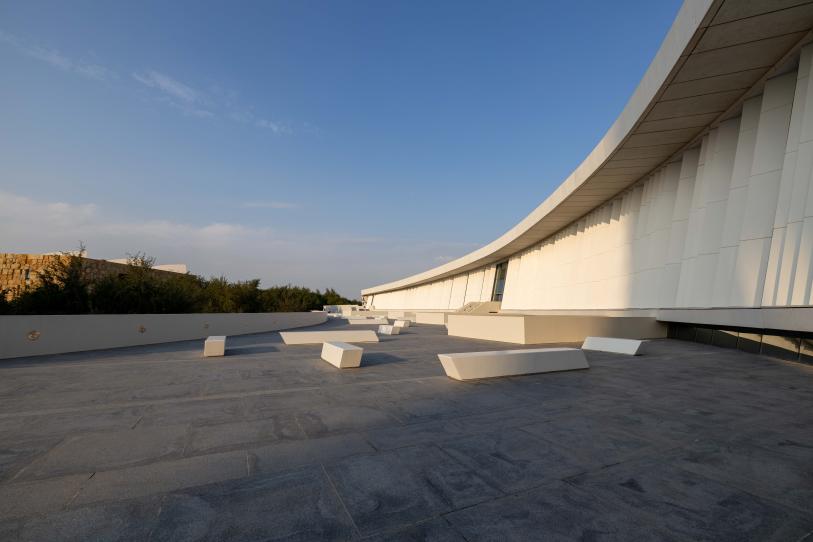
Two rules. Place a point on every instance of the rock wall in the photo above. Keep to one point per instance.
(21, 271)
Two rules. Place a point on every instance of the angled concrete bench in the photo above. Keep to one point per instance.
(214, 346)
(470, 365)
(401, 323)
(631, 347)
(342, 355)
(368, 321)
(318, 337)
(389, 330)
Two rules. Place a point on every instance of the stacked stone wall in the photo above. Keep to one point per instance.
(21, 271)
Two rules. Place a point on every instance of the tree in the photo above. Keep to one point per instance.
(65, 289)
(5, 305)
(62, 289)
(333, 298)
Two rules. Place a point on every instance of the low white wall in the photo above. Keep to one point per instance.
(436, 318)
(57, 334)
(547, 329)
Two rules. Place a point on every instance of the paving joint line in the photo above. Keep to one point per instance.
(234, 395)
(341, 500)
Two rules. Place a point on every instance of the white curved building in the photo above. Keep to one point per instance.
(699, 196)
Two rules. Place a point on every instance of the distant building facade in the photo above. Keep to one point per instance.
(21, 271)
(174, 267)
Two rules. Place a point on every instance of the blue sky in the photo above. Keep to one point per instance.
(330, 143)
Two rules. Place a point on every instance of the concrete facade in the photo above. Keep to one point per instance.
(699, 196)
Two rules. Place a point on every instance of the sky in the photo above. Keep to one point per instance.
(337, 144)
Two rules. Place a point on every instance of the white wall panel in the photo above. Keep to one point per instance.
(787, 280)
(763, 192)
(474, 287)
(511, 292)
(458, 292)
(488, 283)
(727, 223)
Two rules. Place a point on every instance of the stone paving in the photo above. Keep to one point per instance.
(689, 442)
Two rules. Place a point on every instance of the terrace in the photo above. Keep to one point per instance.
(688, 442)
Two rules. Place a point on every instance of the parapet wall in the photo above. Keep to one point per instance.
(57, 334)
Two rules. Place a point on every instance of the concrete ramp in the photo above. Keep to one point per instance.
(481, 307)
(318, 337)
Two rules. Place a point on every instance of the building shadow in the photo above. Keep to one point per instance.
(380, 358)
(250, 350)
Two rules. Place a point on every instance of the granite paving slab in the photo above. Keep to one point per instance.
(692, 506)
(687, 442)
(558, 512)
(405, 486)
(296, 505)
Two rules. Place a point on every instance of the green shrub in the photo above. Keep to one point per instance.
(64, 290)
(5, 304)
(291, 299)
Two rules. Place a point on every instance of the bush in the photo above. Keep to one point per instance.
(141, 292)
(291, 299)
(63, 289)
(5, 304)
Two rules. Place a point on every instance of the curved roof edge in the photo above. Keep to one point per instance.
(688, 55)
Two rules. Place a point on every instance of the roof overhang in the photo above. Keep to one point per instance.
(717, 54)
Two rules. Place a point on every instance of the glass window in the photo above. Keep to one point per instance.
(499, 281)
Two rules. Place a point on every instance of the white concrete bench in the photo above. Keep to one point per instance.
(214, 346)
(401, 323)
(631, 347)
(342, 355)
(318, 337)
(371, 320)
(470, 365)
(389, 330)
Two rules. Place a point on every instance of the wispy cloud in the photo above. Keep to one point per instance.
(236, 250)
(83, 220)
(269, 205)
(196, 102)
(166, 88)
(247, 117)
(58, 60)
(168, 85)
(275, 127)
(177, 94)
